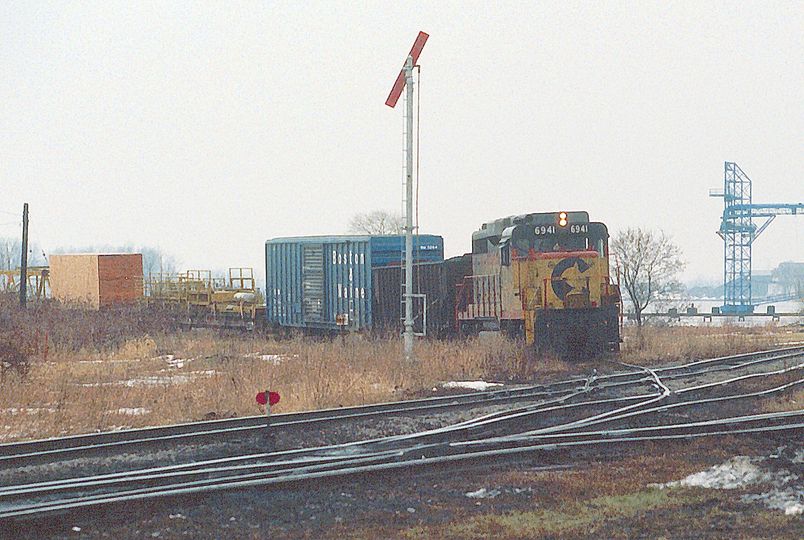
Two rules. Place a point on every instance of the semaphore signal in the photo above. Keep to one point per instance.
(405, 81)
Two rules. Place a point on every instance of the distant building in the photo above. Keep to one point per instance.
(96, 280)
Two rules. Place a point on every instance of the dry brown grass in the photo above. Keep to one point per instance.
(200, 374)
(678, 343)
(103, 371)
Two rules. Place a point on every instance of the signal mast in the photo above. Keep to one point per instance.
(405, 81)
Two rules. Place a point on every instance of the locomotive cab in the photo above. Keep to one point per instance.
(561, 275)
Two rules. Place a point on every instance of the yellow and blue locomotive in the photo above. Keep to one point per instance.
(545, 276)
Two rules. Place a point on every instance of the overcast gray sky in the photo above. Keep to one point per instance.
(205, 128)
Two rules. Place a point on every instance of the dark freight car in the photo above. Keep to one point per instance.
(434, 285)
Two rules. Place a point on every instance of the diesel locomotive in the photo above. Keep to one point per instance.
(545, 276)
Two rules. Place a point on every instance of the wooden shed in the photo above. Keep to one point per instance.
(96, 280)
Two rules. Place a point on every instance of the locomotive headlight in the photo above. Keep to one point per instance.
(562, 219)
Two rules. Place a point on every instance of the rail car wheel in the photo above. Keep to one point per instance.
(513, 329)
(465, 328)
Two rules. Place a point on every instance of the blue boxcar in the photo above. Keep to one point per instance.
(310, 280)
(387, 250)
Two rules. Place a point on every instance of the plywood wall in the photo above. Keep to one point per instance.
(74, 279)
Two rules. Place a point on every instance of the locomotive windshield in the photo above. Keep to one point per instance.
(524, 240)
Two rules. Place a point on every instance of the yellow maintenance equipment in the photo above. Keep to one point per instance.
(38, 281)
(201, 293)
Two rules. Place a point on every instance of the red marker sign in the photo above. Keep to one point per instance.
(271, 398)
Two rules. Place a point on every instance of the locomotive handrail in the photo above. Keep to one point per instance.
(478, 297)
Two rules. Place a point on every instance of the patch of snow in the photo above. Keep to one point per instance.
(786, 495)
(132, 411)
(154, 380)
(794, 510)
(105, 361)
(483, 493)
(789, 500)
(174, 362)
(735, 473)
(27, 410)
(274, 359)
(471, 385)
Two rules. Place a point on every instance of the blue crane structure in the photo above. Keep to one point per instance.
(738, 231)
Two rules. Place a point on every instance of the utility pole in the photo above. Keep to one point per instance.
(24, 258)
(405, 79)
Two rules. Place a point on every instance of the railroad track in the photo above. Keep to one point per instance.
(15, 454)
(588, 422)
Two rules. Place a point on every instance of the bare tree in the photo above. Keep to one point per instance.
(790, 275)
(154, 260)
(10, 254)
(376, 222)
(648, 263)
